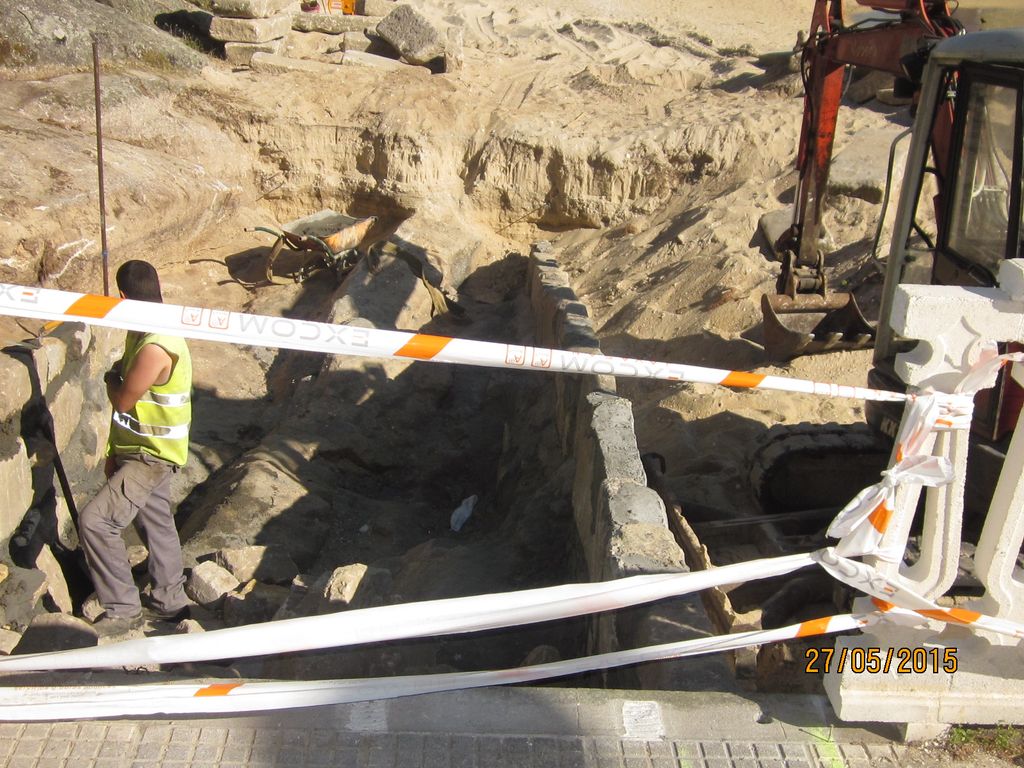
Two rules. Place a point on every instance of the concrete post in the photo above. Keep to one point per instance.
(953, 325)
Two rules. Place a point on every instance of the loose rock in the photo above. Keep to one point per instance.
(267, 564)
(208, 583)
(24, 589)
(56, 584)
(351, 586)
(240, 54)
(8, 641)
(411, 34)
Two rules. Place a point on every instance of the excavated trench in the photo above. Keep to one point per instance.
(365, 465)
(353, 467)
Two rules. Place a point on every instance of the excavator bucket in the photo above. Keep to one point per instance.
(813, 324)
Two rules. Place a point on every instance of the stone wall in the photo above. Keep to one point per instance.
(622, 523)
(53, 420)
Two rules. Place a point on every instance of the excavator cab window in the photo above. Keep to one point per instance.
(984, 213)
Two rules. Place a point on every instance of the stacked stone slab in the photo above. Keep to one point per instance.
(250, 26)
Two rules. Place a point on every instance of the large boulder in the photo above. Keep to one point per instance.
(59, 33)
(414, 36)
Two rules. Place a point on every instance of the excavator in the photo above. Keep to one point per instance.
(959, 213)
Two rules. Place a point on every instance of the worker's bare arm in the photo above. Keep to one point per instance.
(152, 365)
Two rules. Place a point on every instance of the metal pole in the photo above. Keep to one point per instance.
(99, 165)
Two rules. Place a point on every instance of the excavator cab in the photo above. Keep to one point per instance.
(963, 183)
(960, 213)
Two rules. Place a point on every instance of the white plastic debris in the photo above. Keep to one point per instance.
(462, 512)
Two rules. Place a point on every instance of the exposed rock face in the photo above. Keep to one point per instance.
(57, 32)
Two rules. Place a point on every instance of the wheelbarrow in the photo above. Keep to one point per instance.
(333, 238)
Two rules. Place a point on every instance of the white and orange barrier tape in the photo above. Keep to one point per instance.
(192, 698)
(860, 526)
(400, 622)
(309, 336)
(889, 593)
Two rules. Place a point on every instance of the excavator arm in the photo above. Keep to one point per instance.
(896, 42)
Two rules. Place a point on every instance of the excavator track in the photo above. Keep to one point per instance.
(815, 466)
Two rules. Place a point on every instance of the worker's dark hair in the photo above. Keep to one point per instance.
(138, 280)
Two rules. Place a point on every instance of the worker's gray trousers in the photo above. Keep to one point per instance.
(139, 490)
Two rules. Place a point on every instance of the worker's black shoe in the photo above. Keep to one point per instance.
(173, 616)
(109, 626)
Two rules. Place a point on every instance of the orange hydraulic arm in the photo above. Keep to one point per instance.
(886, 44)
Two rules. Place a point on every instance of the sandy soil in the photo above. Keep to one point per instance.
(644, 139)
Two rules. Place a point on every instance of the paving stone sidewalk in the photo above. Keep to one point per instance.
(521, 727)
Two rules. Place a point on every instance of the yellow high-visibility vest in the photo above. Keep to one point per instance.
(159, 422)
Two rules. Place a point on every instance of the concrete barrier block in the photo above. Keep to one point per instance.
(250, 30)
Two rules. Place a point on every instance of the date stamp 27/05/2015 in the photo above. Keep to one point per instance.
(903, 661)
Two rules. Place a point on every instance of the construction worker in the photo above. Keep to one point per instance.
(150, 390)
